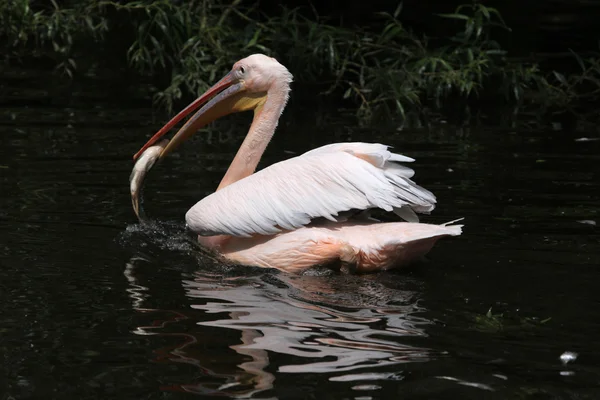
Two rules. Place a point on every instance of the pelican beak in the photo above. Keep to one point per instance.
(227, 96)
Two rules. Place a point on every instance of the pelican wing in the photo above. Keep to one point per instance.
(320, 183)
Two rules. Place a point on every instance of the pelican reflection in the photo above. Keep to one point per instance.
(351, 328)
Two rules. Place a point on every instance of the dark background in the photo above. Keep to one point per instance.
(546, 26)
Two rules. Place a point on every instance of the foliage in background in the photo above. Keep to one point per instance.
(387, 69)
(50, 31)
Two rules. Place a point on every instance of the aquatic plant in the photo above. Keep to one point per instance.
(507, 322)
(382, 67)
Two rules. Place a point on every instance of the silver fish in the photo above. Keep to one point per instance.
(136, 180)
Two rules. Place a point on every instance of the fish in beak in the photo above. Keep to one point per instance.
(136, 180)
(227, 96)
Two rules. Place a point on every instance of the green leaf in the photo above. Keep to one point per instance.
(454, 16)
(347, 93)
(398, 10)
(495, 52)
(485, 11)
(400, 108)
(254, 39)
(492, 10)
(469, 88)
(560, 77)
(470, 55)
(469, 29)
(262, 48)
(579, 60)
(445, 64)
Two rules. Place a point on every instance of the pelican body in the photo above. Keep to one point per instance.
(308, 210)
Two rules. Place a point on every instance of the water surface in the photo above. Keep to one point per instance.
(96, 306)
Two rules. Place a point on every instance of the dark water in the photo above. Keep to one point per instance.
(95, 306)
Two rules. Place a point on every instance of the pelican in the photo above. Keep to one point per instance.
(308, 210)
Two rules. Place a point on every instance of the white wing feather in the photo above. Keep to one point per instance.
(320, 183)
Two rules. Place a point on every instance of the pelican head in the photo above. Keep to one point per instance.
(245, 87)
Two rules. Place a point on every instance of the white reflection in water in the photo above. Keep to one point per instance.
(301, 324)
(344, 326)
(467, 383)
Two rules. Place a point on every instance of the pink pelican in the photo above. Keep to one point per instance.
(308, 210)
